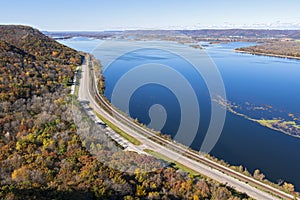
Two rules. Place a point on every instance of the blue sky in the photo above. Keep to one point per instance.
(147, 14)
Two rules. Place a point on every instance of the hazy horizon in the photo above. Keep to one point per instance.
(99, 15)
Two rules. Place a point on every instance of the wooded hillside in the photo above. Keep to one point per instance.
(41, 154)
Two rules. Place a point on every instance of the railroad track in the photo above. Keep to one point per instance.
(180, 149)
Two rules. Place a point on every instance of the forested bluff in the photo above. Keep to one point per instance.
(41, 154)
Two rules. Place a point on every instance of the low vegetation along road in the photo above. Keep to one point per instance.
(171, 150)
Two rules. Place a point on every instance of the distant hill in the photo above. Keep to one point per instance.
(196, 34)
(285, 49)
(246, 33)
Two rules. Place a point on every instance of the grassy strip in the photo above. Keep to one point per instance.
(77, 83)
(119, 131)
(76, 92)
(175, 165)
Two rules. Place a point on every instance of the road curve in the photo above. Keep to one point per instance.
(171, 150)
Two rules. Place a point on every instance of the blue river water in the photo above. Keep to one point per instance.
(258, 80)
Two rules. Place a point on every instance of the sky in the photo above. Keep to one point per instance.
(59, 15)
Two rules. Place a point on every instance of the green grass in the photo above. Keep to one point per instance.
(176, 164)
(119, 131)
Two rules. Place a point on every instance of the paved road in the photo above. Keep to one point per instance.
(85, 94)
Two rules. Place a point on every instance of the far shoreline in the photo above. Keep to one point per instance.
(266, 54)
